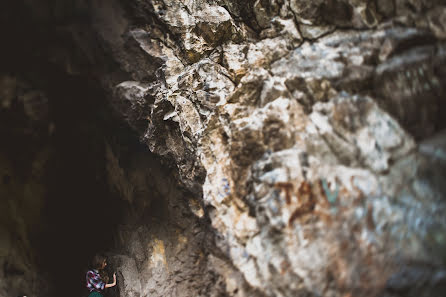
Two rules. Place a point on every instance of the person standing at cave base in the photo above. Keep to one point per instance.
(95, 283)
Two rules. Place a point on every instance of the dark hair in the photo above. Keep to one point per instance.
(98, 259)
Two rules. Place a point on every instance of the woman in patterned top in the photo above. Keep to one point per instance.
(94, 281)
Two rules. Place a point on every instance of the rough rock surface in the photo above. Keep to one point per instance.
(308, 118)
(307, 137)
(163, 244)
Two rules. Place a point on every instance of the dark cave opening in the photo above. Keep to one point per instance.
(80, 211)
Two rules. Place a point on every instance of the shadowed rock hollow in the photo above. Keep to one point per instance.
(224, 148)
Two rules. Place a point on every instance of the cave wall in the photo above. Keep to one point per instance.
(319, 128)
(24, 156)
(300, 143)
(163, 246)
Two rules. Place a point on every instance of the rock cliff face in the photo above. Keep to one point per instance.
(313, 124)
(300, 145)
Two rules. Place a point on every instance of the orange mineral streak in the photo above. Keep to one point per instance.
(307, 202)
(311, 199)
(288, 188)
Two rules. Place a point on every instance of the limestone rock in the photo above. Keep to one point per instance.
(312, 179)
